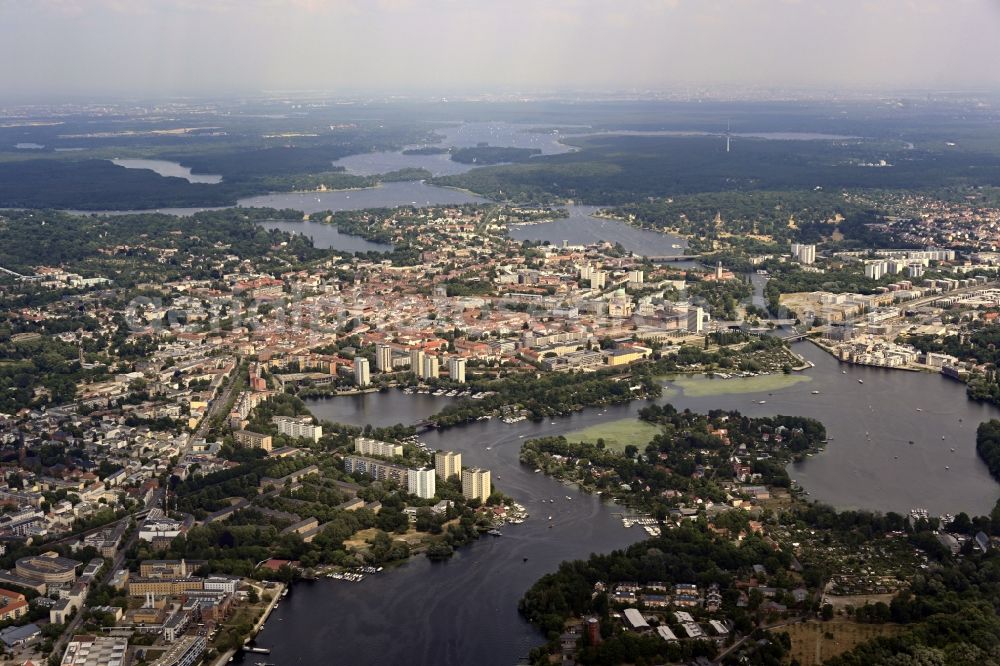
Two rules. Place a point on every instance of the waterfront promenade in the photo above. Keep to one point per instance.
(277, 592)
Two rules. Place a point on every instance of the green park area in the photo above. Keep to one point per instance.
(617, 434)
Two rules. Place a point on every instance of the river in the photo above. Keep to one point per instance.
(465, 610)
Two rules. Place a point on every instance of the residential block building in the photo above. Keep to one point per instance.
(447, 464)
(476, 483)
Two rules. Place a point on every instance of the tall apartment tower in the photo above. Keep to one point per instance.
(803, 253)
(417, 362)
(430, 369)
(476, 483)
(696, 320)
(383, 358)
(362, 373)
(456, 369)
(447, 464)
(421, 482)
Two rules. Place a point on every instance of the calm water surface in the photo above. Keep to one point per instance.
(379, 409)
(167, 168)
(326, 236)
(465, 611)
(581, 228)
(507, 135)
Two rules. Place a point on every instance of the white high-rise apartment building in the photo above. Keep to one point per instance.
(805, 254)
(422, 483)
(875, 269)
(362, 373)
(417, 362)
(430, 367)
(456, 369)
(383, 358)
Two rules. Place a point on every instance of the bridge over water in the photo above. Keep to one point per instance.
(666, 258)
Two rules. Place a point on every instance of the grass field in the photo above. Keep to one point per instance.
(617, 434)
(811, 642)
(701, 386)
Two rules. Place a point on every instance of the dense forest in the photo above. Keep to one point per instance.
(616, 169)
(129, 245)
(988, 446)
(550, 394)
(804, 215)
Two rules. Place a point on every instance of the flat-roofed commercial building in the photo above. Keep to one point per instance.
(87, 650)
(47, 568)
(185, 652)
(140, 587)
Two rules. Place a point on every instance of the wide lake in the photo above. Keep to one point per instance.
(582, 228)
(459, 135)
(167, 169)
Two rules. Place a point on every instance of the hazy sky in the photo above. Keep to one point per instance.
(217, 46)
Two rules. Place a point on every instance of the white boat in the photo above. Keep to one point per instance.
(550, 517)
(762, 402)
(861, 381)
(815, 392)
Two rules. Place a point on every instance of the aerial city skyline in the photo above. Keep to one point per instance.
(446, 332)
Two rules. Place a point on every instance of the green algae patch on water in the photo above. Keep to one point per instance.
(702, 386)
